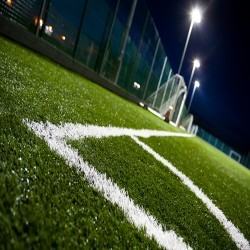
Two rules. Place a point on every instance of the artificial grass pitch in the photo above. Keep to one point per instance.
(44, 203)
(224, 181)
(159, 190)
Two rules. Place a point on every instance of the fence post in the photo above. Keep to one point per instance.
(109, 37)
(125, 39)
(176, 98)
(40, 17)
(159, 82)
(181, 108)
(151, 68)
(138, 50)
(171, 90)
(166, 86)
(80, 29)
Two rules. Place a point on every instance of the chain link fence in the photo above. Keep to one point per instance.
(117, 39)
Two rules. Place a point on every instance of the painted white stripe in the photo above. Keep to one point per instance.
(78, 131)
(110, 190)
(234, 232)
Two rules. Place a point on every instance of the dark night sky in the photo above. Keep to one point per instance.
(222, 104)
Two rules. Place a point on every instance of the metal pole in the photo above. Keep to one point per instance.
(196, 130)
(191, 98)
(151, 68)
(185, 48)
(135, 58)
(109, 37)
(181, 108)
(125, 39)
(222, 147)
(216, 142)
(171, 90)
(191, 77)
(176, 99)
(190, 123)
(40, 17)
(80, 29)
(163, 97)
(159, 82)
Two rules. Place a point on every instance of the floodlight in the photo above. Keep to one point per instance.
(137, 85)
(196, 15)
(196, 84)
(48, 30)
(197, 63)
(9, 2)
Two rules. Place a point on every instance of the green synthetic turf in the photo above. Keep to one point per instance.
(35, 88)
(46, 204)
(150, 183)
(224, 181)
(35, 184)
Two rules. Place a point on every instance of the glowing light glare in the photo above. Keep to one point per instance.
(48, 30)
(9, 2)
(196, 15)
(63, 38)
(40, 22)
(136, 85)
(196, 84)
(197, 63)
(36, 20)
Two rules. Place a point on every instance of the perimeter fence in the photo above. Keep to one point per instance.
(117, 39)
(244, 159)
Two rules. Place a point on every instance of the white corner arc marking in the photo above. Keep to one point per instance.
(56, 137)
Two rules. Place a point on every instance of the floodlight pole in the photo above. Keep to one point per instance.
(186, 44)
(191, 77)
(195, 86)
(196, 18)
(196, 64)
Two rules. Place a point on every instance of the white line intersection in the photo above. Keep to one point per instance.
(56, 137)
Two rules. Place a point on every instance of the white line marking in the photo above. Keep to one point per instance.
(78, 131)
(56, 139)
(234, 232)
